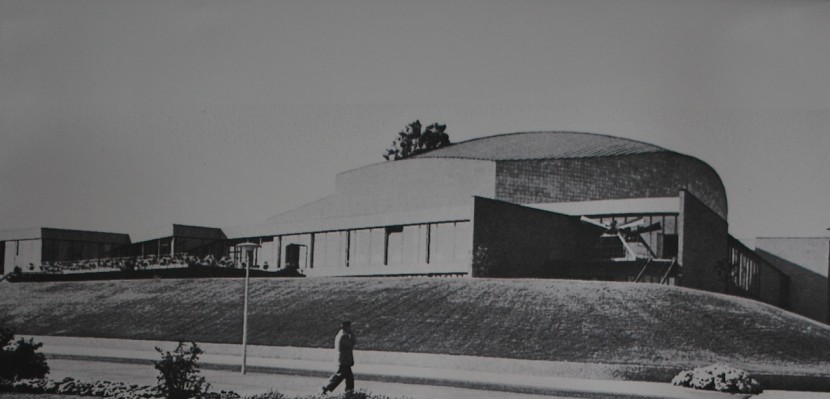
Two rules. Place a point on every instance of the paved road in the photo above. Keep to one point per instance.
(252, 383)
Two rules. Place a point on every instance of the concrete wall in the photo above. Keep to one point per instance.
(809, 253)
(21, 253)
(653, 175)
(703, 242)
(401, 186)
(806, 262)
(428, 248)
(774, 286)
(515, 241)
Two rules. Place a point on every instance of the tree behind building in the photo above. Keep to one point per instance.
(412, 141)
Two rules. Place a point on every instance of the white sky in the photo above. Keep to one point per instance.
(123, 115)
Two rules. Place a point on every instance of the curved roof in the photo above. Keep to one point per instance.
(542, 145)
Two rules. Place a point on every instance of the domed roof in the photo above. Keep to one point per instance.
(542, 145)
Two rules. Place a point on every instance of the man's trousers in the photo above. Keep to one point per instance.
(343, 373)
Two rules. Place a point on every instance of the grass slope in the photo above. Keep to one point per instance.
(595, 322)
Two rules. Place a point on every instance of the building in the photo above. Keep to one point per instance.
(536, 204)
(176, 241)
(47, 249)
(806, 263)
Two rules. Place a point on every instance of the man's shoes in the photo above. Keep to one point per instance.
(349, 393)
(325, 391)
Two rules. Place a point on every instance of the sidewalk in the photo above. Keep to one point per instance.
(256, 382)
(488, 374)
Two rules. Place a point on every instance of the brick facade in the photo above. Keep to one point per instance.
(703, 244)
(651, 175)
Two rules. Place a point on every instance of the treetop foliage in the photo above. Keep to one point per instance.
(412, 141)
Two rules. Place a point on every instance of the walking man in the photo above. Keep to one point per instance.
(343, 344)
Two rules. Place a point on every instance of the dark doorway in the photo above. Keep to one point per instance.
(294, 256)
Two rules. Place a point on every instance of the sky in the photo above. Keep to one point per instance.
(123, 115)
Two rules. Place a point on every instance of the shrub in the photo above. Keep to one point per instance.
(20, 360)
(359, 394)
(100, 389)
(178, 372)
(70, 386)
(718, 377)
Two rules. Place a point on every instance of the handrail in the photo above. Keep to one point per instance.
(637, 280)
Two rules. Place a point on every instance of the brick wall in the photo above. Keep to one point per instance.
(515, 241)
(652, 175)
(703, 242)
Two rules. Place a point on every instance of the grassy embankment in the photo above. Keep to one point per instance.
(648, 325)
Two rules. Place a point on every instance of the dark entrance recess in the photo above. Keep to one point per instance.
(292, 255)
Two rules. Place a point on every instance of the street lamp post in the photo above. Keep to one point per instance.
(247, 248)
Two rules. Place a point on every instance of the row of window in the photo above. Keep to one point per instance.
(744, 271)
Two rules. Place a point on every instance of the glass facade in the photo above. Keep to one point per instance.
(65, 250)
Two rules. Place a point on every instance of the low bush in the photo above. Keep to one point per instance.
(359, 394)
(718, 377)
(100, 389)
(178, 372)
(70, 386)
(120, 390)
(268, 395)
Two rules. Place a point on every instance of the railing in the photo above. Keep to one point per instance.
(665, 277)
(642, 271)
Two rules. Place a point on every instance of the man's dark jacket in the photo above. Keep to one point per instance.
(344, 343)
